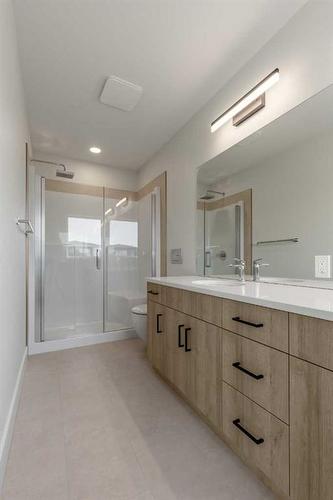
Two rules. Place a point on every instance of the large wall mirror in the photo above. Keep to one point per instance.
(271, 196)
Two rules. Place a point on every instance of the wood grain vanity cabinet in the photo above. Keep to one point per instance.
(259, 372)
(261, 378)
(257, 436)
(311, 431)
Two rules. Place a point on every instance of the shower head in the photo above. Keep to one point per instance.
(65, 173)
(210, 194)
(207, 196)
(59, 173)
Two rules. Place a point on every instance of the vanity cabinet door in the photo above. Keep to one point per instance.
(311, 431)
(202, 349)
(159, 338)
(178, 363)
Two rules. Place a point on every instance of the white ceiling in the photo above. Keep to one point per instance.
(180, 51)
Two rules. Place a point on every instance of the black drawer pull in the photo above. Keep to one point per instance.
(187, 348)
(244, 370)
(152, 292)
(180, 336)
(256, 325)
(247, 433)
(158, 328)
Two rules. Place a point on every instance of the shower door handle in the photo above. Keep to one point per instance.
(208, 258)
(98, 259)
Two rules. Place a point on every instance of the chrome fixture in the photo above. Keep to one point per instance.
(246, 105)
(210, 194)
(257, 264)
(287, 240)
(28, 226)
(62, 172)
(240, 266)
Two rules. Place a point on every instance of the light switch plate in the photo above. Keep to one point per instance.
(323, 266)
(176, 256)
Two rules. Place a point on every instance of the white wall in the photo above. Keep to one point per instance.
(303, 50)
(13, 135)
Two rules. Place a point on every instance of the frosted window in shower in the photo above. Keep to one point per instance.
(123, 232)
(84, 230)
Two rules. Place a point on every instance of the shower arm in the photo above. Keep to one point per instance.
(53, 163)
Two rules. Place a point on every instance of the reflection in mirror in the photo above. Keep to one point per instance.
(288, 166)
(222, 222)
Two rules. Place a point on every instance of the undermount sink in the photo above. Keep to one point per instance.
(211, 282)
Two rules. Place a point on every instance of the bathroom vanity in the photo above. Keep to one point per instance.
(255, 360)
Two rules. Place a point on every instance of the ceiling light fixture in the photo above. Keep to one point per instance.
(95, 149)
(251, 96)
(109, 211)
(121, 202)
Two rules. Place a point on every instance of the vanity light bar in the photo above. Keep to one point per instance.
(247, 99)
(121, 202)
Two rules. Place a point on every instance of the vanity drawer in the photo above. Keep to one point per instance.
(174, 298)
(267, 326)
(257, 436)
(311, 339)
(155, 292)
(204, 307)
(259, 372)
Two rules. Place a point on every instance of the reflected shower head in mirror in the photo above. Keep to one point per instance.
(210, 194)
(61, 169)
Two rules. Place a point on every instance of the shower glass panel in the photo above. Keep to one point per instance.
(121, 271)
(149, 238)
(223, 237)
(94, 248)
(72, 268)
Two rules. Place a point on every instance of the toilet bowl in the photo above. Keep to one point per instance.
(139, 317)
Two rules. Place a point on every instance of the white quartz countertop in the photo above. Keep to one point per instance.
(315, 302)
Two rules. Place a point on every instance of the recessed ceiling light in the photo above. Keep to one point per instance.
(95, 149)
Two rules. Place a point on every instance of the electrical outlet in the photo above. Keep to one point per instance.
(323, 266)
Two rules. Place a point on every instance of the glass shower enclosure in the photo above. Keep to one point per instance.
(220, 238)
(94, 247)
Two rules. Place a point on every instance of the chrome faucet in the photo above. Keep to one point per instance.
(257, 264)
(240, 266)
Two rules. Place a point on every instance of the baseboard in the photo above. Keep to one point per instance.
(6, 438)
(84, 340)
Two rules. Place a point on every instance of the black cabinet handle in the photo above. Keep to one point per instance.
(247, 433)
(256, 325)
(158, 328)
(180, 335)
(187, 349)
(244, 370)
(152, 292)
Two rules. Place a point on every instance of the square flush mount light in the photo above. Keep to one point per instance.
(247, 105)
(121, 94)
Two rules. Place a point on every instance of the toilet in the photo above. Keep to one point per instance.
(139, 317)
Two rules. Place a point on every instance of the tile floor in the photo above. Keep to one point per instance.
(96, 423)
